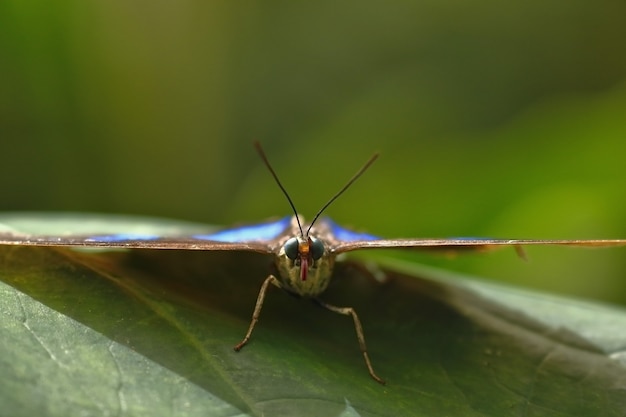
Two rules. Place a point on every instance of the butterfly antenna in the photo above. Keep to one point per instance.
(345, 187)
(259, 149)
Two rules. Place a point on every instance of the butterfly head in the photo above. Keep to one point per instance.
(304, 252)
(304, 265)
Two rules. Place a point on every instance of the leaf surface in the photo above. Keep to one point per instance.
(151, 333)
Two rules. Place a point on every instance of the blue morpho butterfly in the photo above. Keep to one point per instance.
(304, 254)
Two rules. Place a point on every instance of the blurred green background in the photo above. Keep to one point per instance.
(500, 119)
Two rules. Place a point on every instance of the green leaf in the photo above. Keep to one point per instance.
(151, 333)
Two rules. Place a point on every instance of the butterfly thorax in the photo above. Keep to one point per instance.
(304, 263)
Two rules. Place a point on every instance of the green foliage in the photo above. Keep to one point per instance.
(151, 333)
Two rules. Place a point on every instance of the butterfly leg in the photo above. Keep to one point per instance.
(257, 309)
(349, 311)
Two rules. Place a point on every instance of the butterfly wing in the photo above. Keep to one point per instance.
(469, 243)
(345, 240)
(257, 238)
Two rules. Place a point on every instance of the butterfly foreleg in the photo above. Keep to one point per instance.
(257, 309)
(349, 311)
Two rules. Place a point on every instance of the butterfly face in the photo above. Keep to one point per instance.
(304, 266)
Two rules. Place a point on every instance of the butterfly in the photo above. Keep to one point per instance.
(304, 254)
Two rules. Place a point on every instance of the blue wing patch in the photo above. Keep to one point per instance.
(347, 235)
(256, 232)
(119, 237)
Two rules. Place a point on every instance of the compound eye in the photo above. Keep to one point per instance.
(317, 248)
(291, 248)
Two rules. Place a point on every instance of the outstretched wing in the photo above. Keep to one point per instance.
(257, 238)
(457, 244)
(345, 240)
